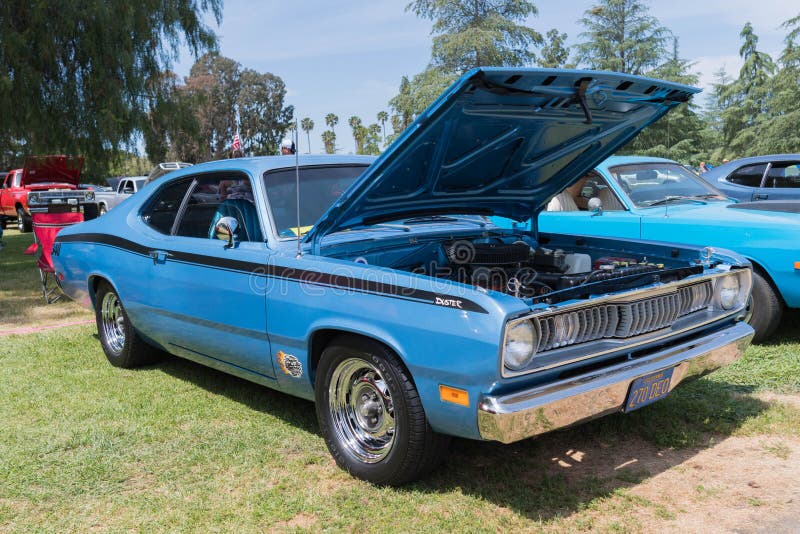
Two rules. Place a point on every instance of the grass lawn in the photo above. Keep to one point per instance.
(177, 446)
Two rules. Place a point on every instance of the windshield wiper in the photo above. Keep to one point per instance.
(442, 218)
(673, 198)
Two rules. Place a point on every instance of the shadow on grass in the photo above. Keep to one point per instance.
(787, 332)
(561, 473)
(295, 411)
(554, 475)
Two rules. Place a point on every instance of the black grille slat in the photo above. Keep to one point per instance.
(622, 320)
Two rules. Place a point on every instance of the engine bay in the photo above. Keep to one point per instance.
(521, 267)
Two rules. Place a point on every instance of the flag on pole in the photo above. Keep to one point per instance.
(237, 143)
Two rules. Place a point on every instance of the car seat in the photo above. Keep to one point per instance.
(245, 213)
(610, 200)
(562, 202)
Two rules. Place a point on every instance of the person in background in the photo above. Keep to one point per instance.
(703, 168)
(287, 147)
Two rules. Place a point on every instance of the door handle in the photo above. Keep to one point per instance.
(760, 196)
(159, 256)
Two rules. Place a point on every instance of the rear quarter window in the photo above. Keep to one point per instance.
(749, 175)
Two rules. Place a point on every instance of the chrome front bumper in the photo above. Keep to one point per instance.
(528, 413)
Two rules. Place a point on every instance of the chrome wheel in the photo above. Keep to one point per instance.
(112, 321)
(361, 410)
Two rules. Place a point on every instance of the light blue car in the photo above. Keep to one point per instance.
(393, 302)
(660, 200)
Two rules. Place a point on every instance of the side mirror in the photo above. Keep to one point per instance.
(595, 205)
(225, 230)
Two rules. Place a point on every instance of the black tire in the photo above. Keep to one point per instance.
(90, 211)
(414, 449)
(123, 346)
(766, 308)
(24, 222)
(3, 223)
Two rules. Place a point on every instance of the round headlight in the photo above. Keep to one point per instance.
(90, 195)
(33, 198)
(728, 292)
(520, 345)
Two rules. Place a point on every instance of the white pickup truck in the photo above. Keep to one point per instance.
(127, 186)
(124, 188)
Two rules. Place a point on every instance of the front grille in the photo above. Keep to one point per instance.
(622, 319)
(66, 193)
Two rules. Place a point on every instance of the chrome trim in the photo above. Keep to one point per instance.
(624, 343)
(523, 414)
(362, 411)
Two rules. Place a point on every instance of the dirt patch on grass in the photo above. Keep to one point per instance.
(299, 522)
(740, 484)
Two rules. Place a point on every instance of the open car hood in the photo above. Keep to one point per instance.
(502, 141)
(52, 169)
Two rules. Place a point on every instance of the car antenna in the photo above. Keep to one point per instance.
(297, 186)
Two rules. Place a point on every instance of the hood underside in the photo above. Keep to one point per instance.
(52, 169)
(502, 142)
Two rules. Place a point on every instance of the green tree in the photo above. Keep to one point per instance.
(225, 100)
(331, 119)
(263, 118)
(382, 118)
(329, 141)
(554, 53)
(372, 139)
(307, 125)
(621, 36)
(356, 125)
(780, 133)
(474, 33)
(682, 134)
(213, 83)
(744, 100)
(417, 94)
(84, 77)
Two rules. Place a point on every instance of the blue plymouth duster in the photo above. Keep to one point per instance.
(383, 292)
(658, 199)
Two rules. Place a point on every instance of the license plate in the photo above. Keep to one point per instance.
(648, 389)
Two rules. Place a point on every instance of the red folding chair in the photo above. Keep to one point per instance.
(45, 228)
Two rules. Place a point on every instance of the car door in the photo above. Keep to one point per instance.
(204, 296)
(781, 182)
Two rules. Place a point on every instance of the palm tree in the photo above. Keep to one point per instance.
(307, 125)
(332, 119)
(382, 118)
(355, 124)
(329, 140)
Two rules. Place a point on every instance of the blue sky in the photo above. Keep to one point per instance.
(347, 56)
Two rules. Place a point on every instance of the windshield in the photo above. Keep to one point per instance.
(650, 184)
(320, 187)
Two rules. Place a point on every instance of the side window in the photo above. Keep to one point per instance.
(163, 209)
(749, 175)
(216, 196)
(127, 187)
(783, 174)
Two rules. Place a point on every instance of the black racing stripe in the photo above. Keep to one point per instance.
(287, 273)
(104, 239)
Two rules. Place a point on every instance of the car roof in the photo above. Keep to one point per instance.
(613, 161)
(260, 164)
(725, 168)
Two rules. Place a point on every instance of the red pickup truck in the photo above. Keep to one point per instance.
(53, 179)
